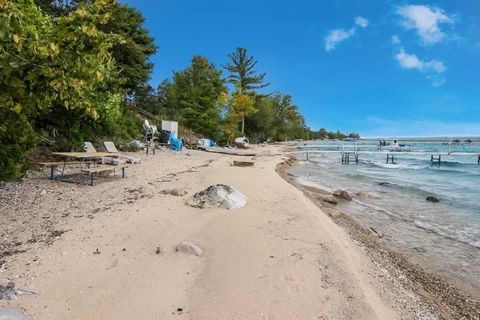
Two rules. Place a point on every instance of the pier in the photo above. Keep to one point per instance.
(354, 155)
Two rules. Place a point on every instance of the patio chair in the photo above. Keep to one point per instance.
(110, 146)
(88, 147)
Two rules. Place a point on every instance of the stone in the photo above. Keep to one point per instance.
(342, 194)
(217, 196)
(10, 292)
(189, 247)
(432, 199)
(178, 192)
(166, 191)
(329, 199)
(7, 313)
(365, 194)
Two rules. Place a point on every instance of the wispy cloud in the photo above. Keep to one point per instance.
(425, 21)
(433, 68)
(361, 21)
(336, 36)
(411, 61)
(395, 39)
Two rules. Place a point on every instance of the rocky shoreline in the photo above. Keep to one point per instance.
(429, 294)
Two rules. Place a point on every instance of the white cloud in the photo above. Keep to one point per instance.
(395, 39)
(425, 21)
(339, 35)
(411, 61)
(336, 36)
(361, 21)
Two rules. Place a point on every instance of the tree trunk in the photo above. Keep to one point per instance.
(243, 125)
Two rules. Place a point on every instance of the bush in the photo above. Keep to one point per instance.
(17, 139)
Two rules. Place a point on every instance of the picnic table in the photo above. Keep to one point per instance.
(87, 158)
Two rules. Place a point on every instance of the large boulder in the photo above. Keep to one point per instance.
(217, 196)
(342, 194)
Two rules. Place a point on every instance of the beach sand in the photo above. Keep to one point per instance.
(108, 251)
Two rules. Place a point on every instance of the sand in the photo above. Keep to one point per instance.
(279, 257)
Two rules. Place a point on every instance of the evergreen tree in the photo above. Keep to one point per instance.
(243, 74)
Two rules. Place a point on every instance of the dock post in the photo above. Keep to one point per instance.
(478, 160)
(306, 155)
(356, 158)
(390, 157)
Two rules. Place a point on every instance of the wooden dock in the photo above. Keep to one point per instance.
(347, 155)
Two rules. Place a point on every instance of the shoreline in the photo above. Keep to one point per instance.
(108, 251)
(447, 300)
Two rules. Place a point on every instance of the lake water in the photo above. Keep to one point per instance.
(443, 237)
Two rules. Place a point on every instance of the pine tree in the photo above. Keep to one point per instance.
(243, 74)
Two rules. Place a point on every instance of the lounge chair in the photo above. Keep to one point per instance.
(112, 149)
(88, 147)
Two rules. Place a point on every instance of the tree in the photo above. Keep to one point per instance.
(236, 107)
(53, 64)
(132, 53)
(195, 92)
(243, 74)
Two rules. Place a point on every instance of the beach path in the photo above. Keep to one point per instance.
(279, 257)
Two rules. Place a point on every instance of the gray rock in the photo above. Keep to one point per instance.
(342, 194)
(10, 292)
(189, 247)
(166, 191)
(7, 313)
(217, 196)
(432, 199)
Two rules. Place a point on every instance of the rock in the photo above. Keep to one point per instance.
(217, 196)
(10, 292)
(166, 191)
(189, 247)
(342, 194)
(7, 313)
(329, 199)
(432, 199)
(365, 194)
(178, 192)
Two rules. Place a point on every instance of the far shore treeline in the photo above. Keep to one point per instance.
(69, 69)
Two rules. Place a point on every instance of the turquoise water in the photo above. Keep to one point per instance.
(443, 237)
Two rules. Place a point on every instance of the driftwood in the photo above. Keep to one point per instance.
(230, 152)
(243, 163)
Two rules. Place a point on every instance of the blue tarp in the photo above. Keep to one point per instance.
(175, 143)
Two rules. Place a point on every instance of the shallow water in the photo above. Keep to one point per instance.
(443, 237)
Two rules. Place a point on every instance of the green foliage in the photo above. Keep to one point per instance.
(17, 138)
(131, 55)
(242, 72)
(194, 92)
(324, 134)
(236, 107)
(59, 74)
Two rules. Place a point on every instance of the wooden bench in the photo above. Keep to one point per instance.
(104, 168)
(54, 164)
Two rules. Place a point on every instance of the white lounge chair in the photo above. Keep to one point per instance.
(88, 147)
(112, 149)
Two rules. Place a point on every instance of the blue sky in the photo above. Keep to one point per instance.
(377, 67)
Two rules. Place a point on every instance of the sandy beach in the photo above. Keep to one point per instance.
(108, 251)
